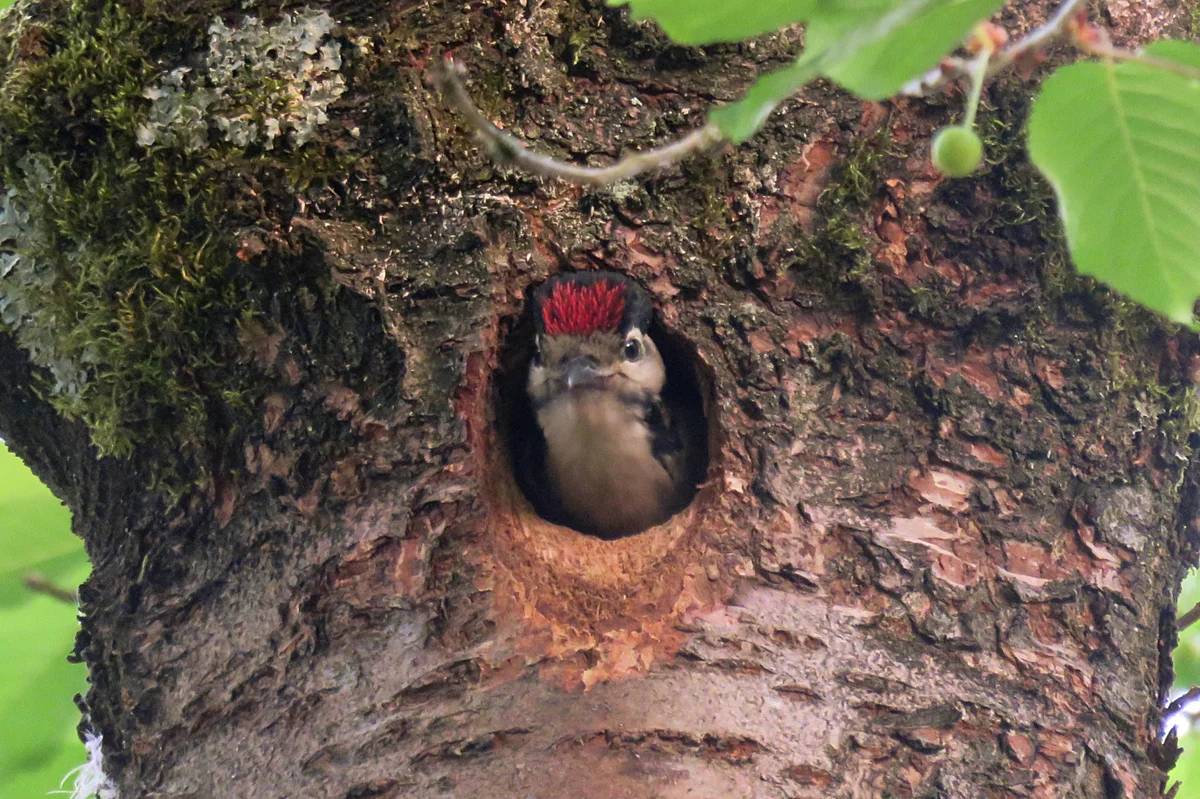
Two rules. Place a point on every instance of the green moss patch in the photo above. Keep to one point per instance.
(133, 151)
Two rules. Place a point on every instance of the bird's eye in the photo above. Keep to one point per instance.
(633, 349)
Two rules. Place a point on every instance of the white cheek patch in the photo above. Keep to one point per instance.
(537, 380)
(647, 371)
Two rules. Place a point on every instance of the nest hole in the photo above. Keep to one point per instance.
(689, 388)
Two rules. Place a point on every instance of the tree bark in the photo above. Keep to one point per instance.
(951, 491)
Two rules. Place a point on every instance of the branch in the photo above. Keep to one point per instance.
(509, 150)
(1189, 618)
(954, 68)
(1039, 37)
(1102, 47)
(1091, 39)
(1179, 704)
(39, 584)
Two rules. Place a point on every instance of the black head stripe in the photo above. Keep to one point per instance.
(638, 309)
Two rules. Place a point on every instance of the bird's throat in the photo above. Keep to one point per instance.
(600, 464)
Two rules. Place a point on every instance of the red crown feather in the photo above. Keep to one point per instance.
(580, 310)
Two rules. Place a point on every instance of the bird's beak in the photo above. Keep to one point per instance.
(580, 372)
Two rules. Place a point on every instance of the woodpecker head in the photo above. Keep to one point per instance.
(620, 454)
(591, 336)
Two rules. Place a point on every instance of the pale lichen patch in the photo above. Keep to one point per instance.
(26, 281)
(257, 83)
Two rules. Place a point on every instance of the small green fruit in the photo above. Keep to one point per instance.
(957, 151)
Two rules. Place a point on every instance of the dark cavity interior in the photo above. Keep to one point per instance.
(517, 425)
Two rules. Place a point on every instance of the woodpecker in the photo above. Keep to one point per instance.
(621, 450)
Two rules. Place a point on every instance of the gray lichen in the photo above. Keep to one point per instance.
(27, 281)
(257, 83)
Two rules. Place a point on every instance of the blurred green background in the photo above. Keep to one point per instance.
(1187, 674)
(38, 743)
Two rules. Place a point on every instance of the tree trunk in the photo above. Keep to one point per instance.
(950, 495)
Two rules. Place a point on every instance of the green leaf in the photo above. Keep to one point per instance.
(913, 37)
(37, 714)
(741, 120)
(708, 21)
(1120, 145)
(872, 47)
(1185, 54)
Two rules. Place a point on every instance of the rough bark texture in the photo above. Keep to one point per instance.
(949, 503)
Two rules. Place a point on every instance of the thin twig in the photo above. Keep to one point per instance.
(1189, 618)
(38, 583)
(978, 72)
(1179, 704)
(508, 149)
(1039, 37)
(1105, 49)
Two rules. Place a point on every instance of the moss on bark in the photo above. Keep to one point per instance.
(148, 166)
